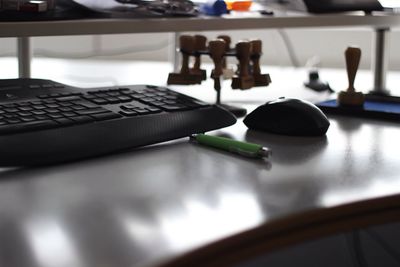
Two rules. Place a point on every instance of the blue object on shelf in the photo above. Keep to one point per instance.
(214, 8)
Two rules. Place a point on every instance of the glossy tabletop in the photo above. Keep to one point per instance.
(168, 203)
(142, 207)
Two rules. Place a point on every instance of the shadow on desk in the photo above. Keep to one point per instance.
(282, 146)
(21, 172)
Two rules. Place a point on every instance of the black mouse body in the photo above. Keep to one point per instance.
(288, 116)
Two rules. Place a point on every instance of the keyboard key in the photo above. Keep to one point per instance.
(91, 111)
(10, 110)
(55, 115)
(49, 101)
(13, 120)
(113, 93)
(41, 117)
(128, 113)
(128, 107)
(99, 101)
(51, 110)
(112, 100)
(169, 102)
(54, 105)
(69, 114)
(147, 99)
(25, 108)
(142, 111)
(171, 97)
(65, 109)
(137, 96)
(150, 94)
(86, 104)
(38, 106)
(66, 94)
(157, 103)
(124, 90)
(43, 96)
(124, 98)
(76, 107)
(9, 105)
(38, 112)
(89, 97)
(68, 98)
(24, 113)
(153, 109)
(28, 118)
(65, 104)
(23, 104)
(9, 116)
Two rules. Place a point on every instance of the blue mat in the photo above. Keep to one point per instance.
(371, 109)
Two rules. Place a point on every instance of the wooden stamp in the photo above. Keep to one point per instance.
(227, 73)
(186, 44)
(256, 52)
(199, 46)
(243, 80)
(351, 97)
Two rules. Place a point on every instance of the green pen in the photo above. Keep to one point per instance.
(242, 148)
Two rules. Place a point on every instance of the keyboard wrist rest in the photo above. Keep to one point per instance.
(87, 140)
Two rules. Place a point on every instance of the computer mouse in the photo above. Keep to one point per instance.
(288, 116)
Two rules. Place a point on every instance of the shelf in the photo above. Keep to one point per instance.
(380, 21)
(120, 26)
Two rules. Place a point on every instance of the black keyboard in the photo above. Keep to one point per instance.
(44, 122)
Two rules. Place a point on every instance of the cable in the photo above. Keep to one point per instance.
(289, 47)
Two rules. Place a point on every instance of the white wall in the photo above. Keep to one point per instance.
(328, 45)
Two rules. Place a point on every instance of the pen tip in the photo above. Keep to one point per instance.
(265, 152)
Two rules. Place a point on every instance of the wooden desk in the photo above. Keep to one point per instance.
(186, 205)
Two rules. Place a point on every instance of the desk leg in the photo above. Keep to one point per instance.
(380, 62)
(175, 51)
(24, 57)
